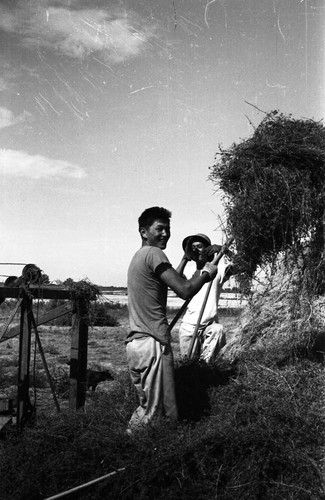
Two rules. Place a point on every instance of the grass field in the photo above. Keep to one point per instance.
(249, 429)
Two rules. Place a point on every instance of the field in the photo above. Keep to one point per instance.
(106, 351)
(249, 429)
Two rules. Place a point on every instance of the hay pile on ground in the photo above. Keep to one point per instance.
(280, 324)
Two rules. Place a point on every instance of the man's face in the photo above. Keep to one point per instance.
(157, 235)
(198, 252)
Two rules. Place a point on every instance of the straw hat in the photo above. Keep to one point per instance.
(203, 238)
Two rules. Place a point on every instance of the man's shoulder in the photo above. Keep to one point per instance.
(149, 255)
(156, 256)
(152, 251)
(157, 251)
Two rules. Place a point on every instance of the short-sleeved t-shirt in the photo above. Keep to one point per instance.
(193, 310)
(147, 294)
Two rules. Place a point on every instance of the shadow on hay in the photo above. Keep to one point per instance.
(193, 379)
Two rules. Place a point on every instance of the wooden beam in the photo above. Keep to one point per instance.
(55, 313)
(38, 292)
(24, 407)
(45, 318)
(78, 362)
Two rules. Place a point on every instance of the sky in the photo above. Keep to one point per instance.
(110, 107)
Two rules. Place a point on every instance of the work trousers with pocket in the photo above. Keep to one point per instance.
(151, 367)
(211, 339)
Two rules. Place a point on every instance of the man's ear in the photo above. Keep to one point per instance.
(143, 233)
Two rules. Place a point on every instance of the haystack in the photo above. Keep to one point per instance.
(280, 323)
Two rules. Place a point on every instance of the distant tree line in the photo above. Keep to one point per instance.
(116, 289)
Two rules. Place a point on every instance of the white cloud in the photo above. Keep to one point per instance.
(3, 84)
(21, 164)
(7, 118)
(7, 72)
(112, 34)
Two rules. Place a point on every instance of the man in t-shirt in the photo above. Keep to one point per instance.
(210, 334)
(148, 349)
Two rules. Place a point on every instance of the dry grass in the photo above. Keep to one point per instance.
(250, 428)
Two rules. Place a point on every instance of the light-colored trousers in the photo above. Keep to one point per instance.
(151, 367)
(212, 338)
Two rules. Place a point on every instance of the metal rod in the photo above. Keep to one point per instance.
(12, 264)
(40, 347)
(85, 485)
(10, 319)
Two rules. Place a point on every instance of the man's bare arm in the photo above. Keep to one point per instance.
(181, 266)
(184, 288)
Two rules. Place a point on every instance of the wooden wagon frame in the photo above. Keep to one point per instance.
(78, 305)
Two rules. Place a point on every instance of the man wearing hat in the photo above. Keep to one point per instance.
(148, 344)
(210, 334)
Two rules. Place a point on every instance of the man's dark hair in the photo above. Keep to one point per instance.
(149, 216)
